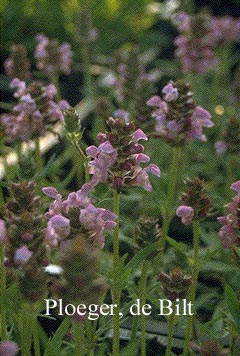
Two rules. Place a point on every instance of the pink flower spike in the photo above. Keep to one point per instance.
(50, 192)
(236, 186)
(154, 169)
(154, 101)
(22, 255)
(139, 135)
(8, 348)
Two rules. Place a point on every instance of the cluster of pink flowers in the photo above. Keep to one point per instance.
(195, 47)
(116, 161)
(196, 202)
(225, 29)
(230, 231)
(35, 112)
(74, 216)
(179, 120)
(53, 58)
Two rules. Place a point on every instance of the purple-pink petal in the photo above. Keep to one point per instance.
(139, 135)
(50, 192)
(92, 151)
(184, 211)
(154, 169)
(106, 147)
(236, 186)
(154, 101)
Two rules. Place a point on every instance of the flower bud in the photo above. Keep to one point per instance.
(176, 284)
(71, 120)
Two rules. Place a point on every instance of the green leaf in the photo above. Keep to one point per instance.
(181, 247)
(142, 255)
(233, 304)
(53, 347)
(131, 349)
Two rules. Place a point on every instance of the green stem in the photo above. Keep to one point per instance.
(233, 345)
(171, 325)
(134, 328)
(116, 292)
(38, 157)
(79, 338)
(5, 106)
(192, 293)
(36, 341)
(89, 88)
(26, 334)
(169, 206)
(3, 289)
(83, 156)
(230, 176)
(142, 294)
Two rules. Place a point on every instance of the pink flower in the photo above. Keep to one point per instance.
(154, 101)
(186, 213)
(170, 92)
(236, 186)
(60, 226)
(22, 255)
(20, 85)
(220, 147)
(3, 231)
(8, 348)
(50, 192)
(139, 135)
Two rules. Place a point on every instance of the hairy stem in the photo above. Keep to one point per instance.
(38, 156)
(116, 292)
(36, 341)
(79, 338)
(3, 289)
(142, 294)
(169, 206)
(192, 293)
(26, 331)
(171, 324)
